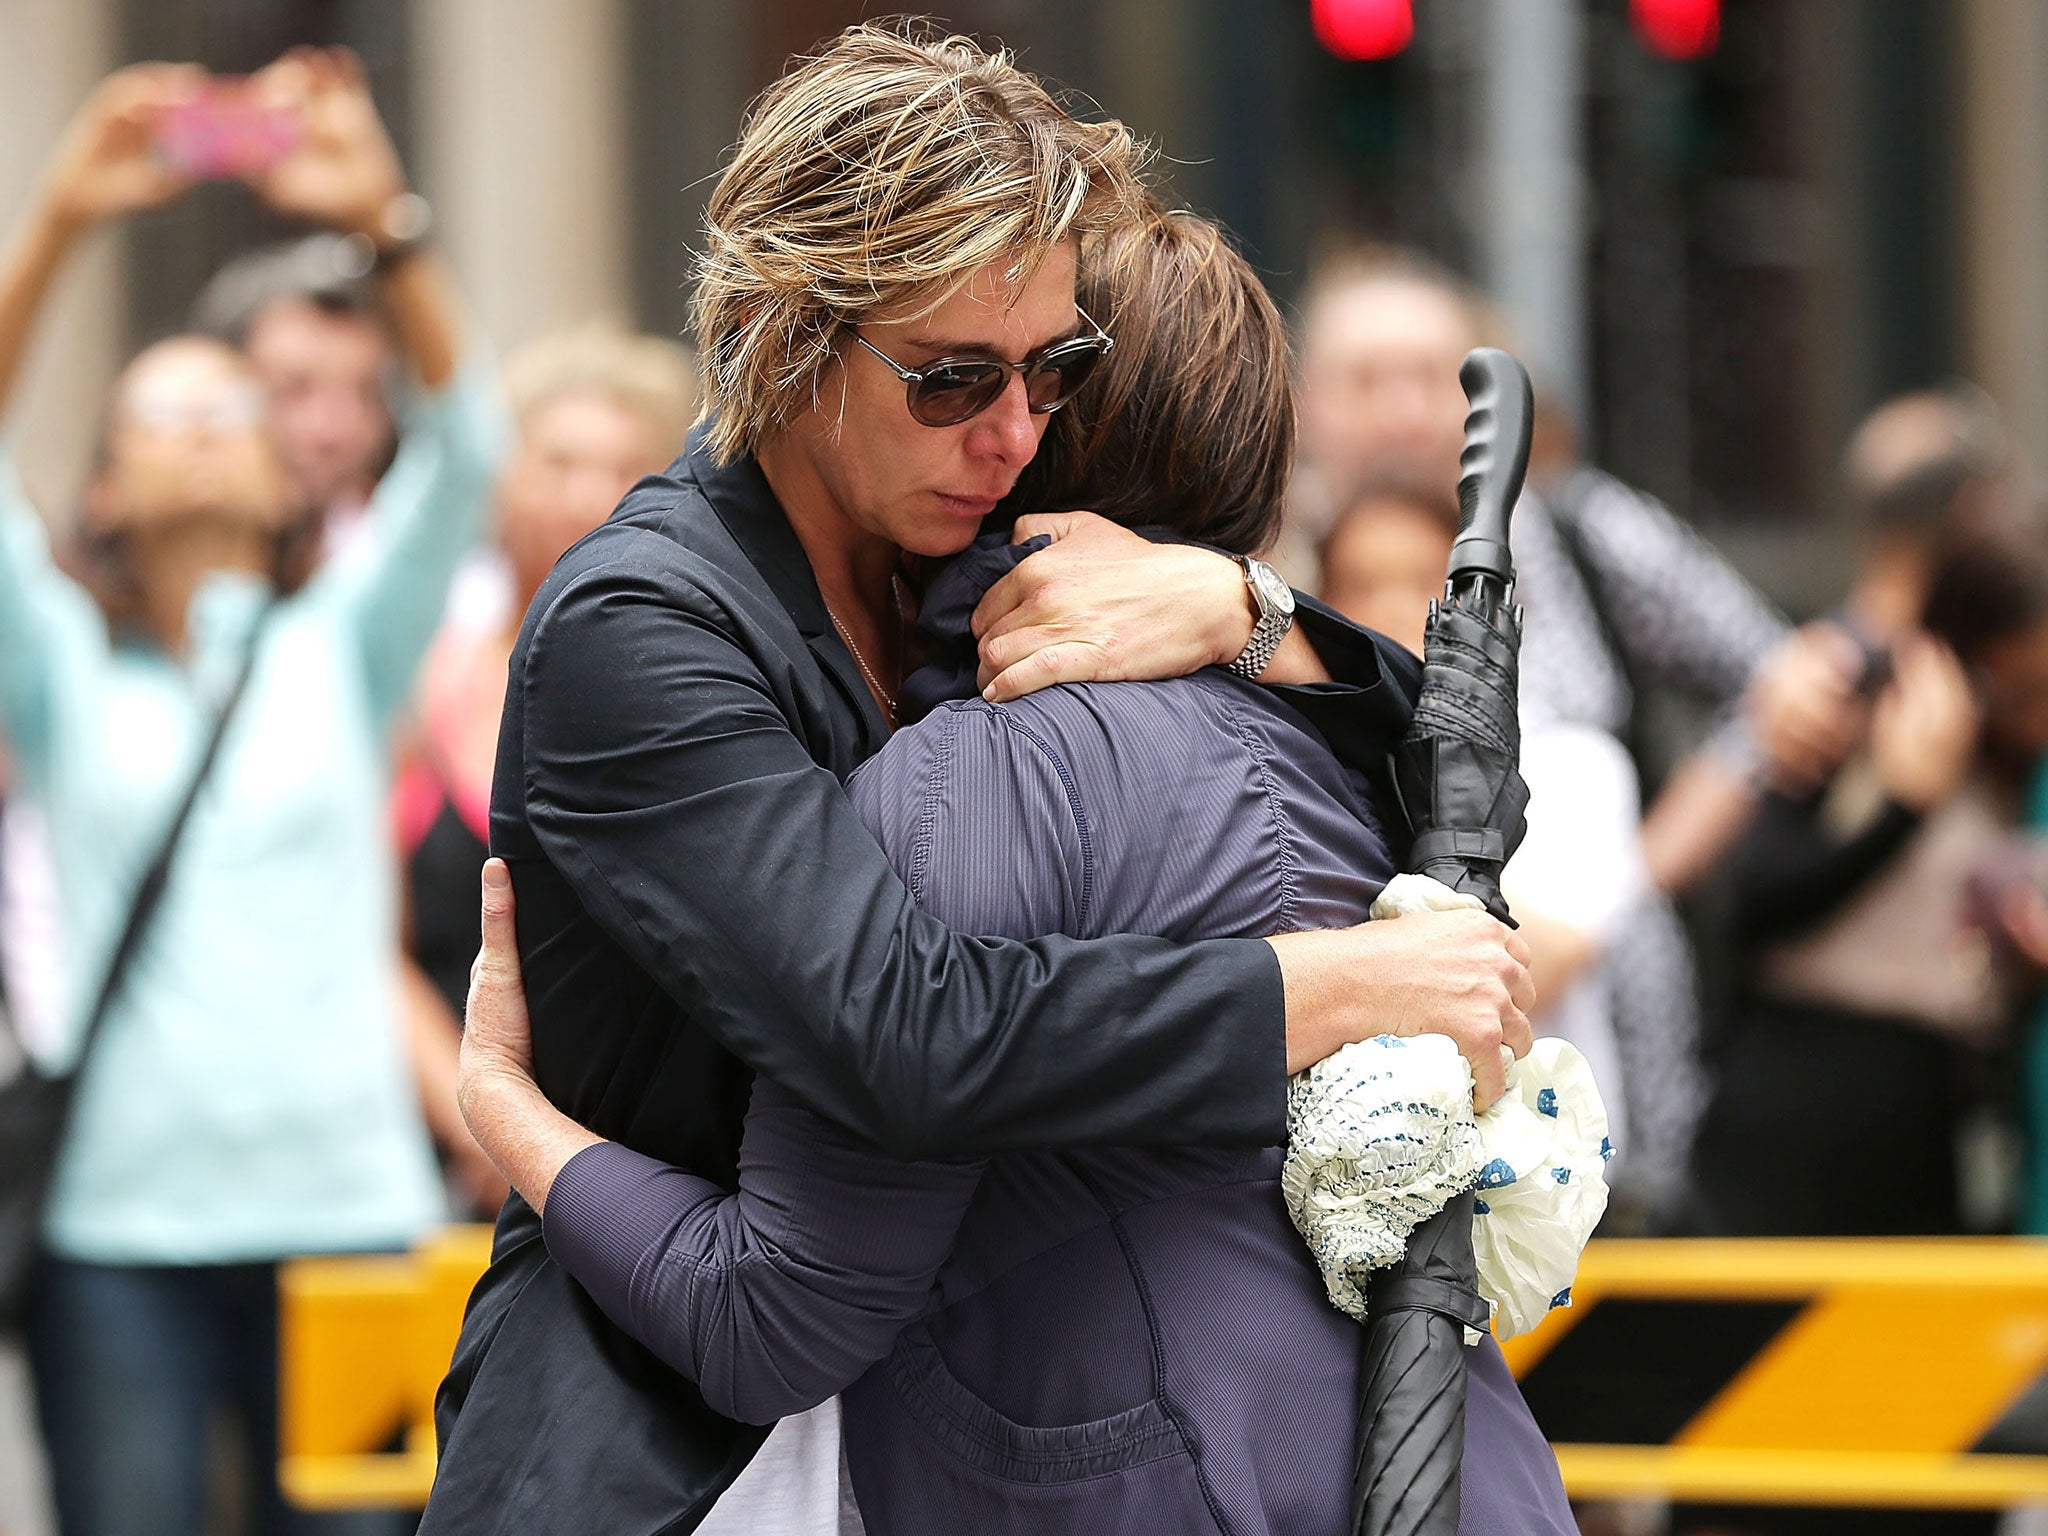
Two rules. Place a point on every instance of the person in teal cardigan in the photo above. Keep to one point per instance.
(249, 1097)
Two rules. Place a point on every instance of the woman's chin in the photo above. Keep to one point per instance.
(938, 540)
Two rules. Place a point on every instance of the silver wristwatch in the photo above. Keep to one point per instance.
(1275, 602)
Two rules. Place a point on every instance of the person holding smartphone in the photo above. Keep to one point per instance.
(246, 1098)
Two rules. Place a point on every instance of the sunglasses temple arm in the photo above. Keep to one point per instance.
(895, 367)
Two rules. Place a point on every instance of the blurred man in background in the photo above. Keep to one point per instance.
(1616, 590)
(308, 316)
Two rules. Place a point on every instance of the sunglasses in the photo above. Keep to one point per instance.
(956, 389)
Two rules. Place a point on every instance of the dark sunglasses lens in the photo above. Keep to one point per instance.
(952, 392)
(1060, 375)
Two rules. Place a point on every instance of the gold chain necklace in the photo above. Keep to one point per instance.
(888, 699)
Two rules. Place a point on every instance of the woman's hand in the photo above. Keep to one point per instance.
(520, 1131)
(1101, 604)
(1458, 973)
(497, 1035)
(342, 171)
(108, 163)
(1923, 734)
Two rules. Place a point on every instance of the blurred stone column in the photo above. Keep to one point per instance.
(55, 50)
(1531, 225)
(522, 110)
(2003, 210)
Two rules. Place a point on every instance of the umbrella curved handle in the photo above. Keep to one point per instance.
(1496, 457)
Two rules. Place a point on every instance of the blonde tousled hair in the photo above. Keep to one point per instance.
(876, 178)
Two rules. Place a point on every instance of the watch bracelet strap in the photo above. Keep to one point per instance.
(1258, 651)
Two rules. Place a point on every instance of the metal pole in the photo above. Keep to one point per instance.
(1531, 222)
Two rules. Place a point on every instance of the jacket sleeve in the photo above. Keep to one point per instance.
(1364, 708)
(774, 1298)
(665, 783)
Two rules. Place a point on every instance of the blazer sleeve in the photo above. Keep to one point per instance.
(664, 782)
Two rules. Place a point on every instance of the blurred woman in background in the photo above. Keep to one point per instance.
(594, 409)
(247, 1098)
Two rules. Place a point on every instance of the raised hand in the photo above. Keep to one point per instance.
(525, 1137)
(109, 162)
(1803, 705)
(1923, 735)
(1459, 973)
(342, 171)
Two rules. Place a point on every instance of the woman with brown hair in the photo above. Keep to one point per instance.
(1047, 1342)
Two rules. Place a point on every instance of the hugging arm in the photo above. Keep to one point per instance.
(692, 824)
(770, 1299)
(775, 1297)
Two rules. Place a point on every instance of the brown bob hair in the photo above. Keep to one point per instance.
(1189, 422)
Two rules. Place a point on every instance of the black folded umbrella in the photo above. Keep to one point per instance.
(1457, 773)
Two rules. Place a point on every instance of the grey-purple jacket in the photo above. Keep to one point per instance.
(1062, 1342)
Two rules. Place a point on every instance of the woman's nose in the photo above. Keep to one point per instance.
(1007, 427)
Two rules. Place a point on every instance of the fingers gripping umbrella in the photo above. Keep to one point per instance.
(1457, 774)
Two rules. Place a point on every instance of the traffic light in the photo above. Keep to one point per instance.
(1363, 29)
(1677, 29)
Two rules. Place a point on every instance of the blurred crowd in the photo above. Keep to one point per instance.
(1802, 941)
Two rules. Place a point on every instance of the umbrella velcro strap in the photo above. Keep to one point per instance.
(1421, 1293)
(1459, 843)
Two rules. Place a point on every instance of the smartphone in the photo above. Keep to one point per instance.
(225, 132)
(1875, 674)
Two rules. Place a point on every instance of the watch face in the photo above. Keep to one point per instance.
(1273, 589)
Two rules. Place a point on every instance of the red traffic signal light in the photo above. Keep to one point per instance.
(1363, 29)
(1677, 29)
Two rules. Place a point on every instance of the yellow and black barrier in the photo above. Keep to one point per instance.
(1830, 1372)
(1846, 1372)
(363, 1344)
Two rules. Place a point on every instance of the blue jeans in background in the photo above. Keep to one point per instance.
(133, 1365)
